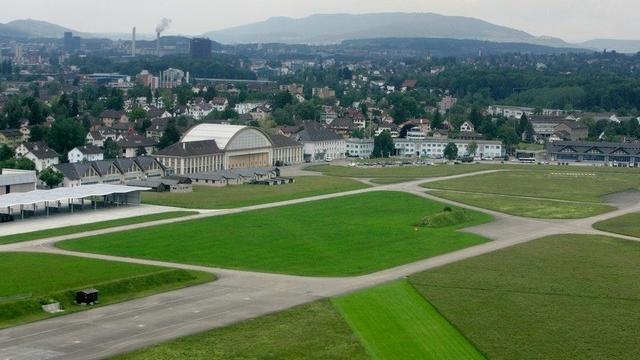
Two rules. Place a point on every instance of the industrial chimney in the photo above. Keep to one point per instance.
(133, 43)
(158, 44)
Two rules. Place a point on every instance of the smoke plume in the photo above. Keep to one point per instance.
(163, 25)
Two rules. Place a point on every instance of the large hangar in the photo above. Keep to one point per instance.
(214, 147)
(243, 146)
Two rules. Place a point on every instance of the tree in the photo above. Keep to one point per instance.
(6, 152)
(383, 145)
(111, 149)
(451, 151)
(66, 134)
(137, 113)
(282, 99)
(508, 136)
(472, 148)
(51, 177)
(171, 135)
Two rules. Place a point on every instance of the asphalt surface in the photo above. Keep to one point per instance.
(241, 295)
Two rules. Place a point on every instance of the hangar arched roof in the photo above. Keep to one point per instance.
(222, 134)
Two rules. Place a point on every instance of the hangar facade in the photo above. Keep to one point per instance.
(214, 147)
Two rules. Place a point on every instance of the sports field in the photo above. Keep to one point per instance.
(526, 207)
(30, 278)
(211, 197)
(349, 235)
(93, 226)
(625, 225)
(315, 331)
(395, 322)
(562, 297)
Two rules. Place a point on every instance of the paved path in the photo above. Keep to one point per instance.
(239, 295)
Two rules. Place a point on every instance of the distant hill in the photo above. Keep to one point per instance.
(8, 32)
(624, 46)
(37, 28)
(333, 28)
(448, 47)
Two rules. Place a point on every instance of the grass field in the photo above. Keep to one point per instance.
(30, 278)
(396, 322)
(93, 226)
(576, 184)
(341, 236)
(625, 225)
(210, 197)
(389, 175)
(527, 207)
(562, 297)
(314, 331)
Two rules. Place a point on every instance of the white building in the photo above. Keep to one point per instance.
(246, 107)
(361, 148)
(38, 152)
(434, 147)
(320, 143)
(85, 153)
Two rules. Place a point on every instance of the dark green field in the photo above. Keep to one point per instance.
(93, 226)
(343, 236)
(29, 278)
(625, 225)
(314, 331)
(211, 197)
(562, 297)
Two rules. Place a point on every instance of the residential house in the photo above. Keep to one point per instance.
(133, 145)
(408, 85)
(94, 138)
(85, 153)
(157, 128)
(219, 103)
(38, 152)
(110, 117)
(323, 93)
(342, 126)
(11, 137)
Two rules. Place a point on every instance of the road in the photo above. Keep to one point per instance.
(241, 295)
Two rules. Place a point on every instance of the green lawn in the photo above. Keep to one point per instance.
(314, 331)
(396, 322)
(576, 184)
(91, 227)
(527, 207)
(29, 278)
(343, 236)
(211, 197)
(561, 297)
(386, 175)
(626, 225)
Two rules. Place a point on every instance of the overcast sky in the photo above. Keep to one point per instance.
(572, 20)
